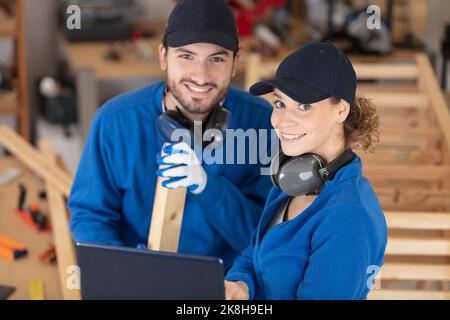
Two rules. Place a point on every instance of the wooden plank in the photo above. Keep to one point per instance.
(65, 249)
(419, 10)
(399, 155)
(398, 99)
(167, 217)
(91, 55)
(23, 112)
(430, 85)
(413, 271)
(386, 87)
(25, 152)
(7, 25)
(268, 69)
(410, 137)
(407, 117)
(396, 294)
(419, 247)
(257, 70)
(418, 220)
(386, 71)
(252, 71)
(390, 202)
(413, 192)
(377, 172)
(8, 103)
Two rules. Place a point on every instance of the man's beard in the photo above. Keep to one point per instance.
(197, 107)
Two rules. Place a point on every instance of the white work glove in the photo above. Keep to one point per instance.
(184, 168)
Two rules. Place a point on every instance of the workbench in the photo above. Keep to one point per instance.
(18, 273)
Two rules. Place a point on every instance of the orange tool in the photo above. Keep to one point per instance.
(48, 255)
(11, 249)
(33, 215)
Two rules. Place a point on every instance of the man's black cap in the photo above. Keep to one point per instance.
(202, 21)
(312, 73)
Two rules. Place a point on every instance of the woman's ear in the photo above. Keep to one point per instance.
(342, 109)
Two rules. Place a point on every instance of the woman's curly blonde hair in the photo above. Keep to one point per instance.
(362, 126)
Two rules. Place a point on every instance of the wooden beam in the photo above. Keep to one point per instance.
(407, 117)
(401, 172)
(398, 100)
(400, 201)
(430, 85)
(396, 294)
(383, 87)
(26, 153)
(413, 192)
(401, 155)
(418, 220)
(167, 217)
(21, 43)
(65, 250)
(386, 71)
(418, 247)
(416, 133)
(415, 271)
(268, 69)
(252, 71)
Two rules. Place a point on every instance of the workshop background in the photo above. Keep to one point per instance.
(53, 76)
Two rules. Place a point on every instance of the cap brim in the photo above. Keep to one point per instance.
(295, 89)
(181, 38)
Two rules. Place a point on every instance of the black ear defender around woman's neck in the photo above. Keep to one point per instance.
(305, 174)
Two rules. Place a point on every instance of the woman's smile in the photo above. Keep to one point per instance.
(290, 138)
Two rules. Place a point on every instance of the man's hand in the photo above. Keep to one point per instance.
(185, 170)
(236, 290)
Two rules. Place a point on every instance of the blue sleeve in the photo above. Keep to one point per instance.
(233, 211)
(341, 248)
(95, 199)
(243, 269)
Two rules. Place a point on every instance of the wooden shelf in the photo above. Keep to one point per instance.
(7, 25)
(15, 103)
(8, 103)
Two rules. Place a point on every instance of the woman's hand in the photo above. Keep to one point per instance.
(236, 290)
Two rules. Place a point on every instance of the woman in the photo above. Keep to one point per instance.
(322, 234)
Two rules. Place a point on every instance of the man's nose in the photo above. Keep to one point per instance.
(200, 73)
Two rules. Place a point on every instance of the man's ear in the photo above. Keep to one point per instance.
(235, 62)
(162, 52)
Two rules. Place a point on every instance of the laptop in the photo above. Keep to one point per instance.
(109, 272)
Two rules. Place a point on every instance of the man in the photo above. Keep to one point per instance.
(112, 196)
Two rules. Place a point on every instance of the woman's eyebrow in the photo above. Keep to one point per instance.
(276, 95)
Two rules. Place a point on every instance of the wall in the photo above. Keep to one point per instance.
(156, 9)
(41, 48)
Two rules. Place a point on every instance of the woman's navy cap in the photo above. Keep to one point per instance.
(312, 73)
(202, 21)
